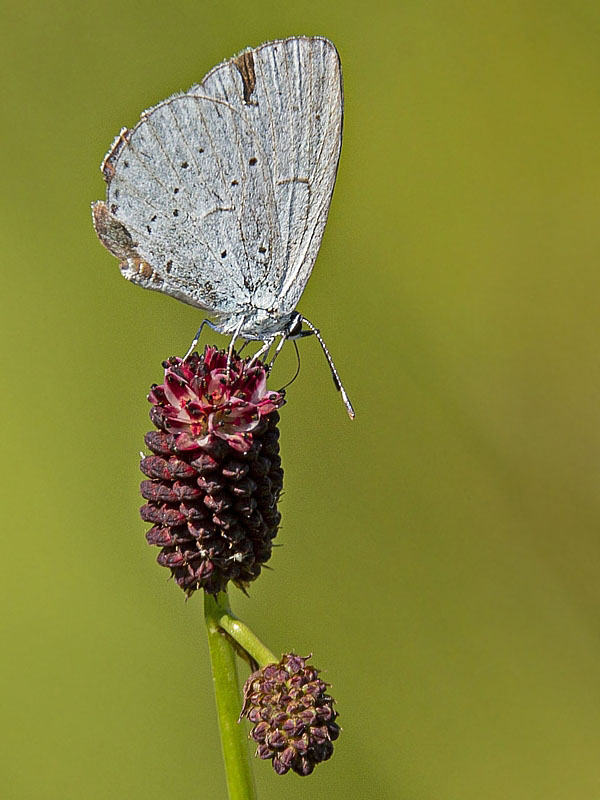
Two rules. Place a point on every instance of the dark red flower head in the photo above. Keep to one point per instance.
(201, 399)
(292, 714)
(215, 474)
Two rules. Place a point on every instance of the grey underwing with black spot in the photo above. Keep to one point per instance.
(219, 196)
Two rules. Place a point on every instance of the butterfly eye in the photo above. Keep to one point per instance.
(295, 328)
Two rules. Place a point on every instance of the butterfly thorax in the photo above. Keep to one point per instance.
(259, 324)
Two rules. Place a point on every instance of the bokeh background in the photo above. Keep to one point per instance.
(441, 554)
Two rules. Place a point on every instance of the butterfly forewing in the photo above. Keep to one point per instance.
(225, 189)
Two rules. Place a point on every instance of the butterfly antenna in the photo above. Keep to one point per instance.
(334, 373)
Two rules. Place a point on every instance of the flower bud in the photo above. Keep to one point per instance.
(293, 716)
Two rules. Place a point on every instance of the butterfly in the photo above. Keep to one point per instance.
(219, 195)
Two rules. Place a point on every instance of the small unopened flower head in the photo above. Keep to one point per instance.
(215, 475)
(292, 714)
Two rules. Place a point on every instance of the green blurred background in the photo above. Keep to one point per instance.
(440, 555)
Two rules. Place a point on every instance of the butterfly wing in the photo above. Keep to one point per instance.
(291, 93)
(219, 196)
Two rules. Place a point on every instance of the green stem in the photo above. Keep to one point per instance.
(242, 634)
(234, 743)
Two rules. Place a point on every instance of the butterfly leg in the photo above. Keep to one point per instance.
(193, 345)
(231, 348)
(264, 349)
(278, 350)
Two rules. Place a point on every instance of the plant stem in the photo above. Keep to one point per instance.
(234, 743)
(242, 634)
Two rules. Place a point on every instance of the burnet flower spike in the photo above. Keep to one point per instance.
(292, 714)
(214, 476)
(213, 482)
